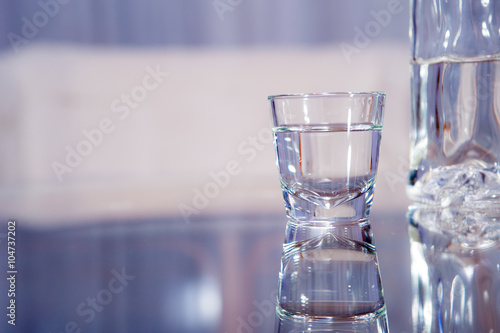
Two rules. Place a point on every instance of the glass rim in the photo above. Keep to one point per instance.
(328, 94)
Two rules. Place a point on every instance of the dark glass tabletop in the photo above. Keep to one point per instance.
(214, 274)
(220, 274)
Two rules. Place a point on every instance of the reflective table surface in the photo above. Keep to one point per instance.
(215, 274)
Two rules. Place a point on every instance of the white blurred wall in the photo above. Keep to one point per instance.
(207, 112)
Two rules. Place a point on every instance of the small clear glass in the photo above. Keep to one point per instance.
(327, 147)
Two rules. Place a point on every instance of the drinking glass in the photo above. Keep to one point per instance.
(327, 147)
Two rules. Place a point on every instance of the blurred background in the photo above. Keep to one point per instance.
(136, 142)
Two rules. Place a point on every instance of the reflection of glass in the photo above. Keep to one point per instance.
(456, 284)
(370, 325)
(327, 147)
(455, 133)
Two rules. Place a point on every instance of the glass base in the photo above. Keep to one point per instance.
(374, 323)
(330, 270)
(473, 184)
(351, 207)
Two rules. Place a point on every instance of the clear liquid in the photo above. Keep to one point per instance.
(455, 132)
(322, 167)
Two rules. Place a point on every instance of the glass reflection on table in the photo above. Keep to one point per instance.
(455, 270)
